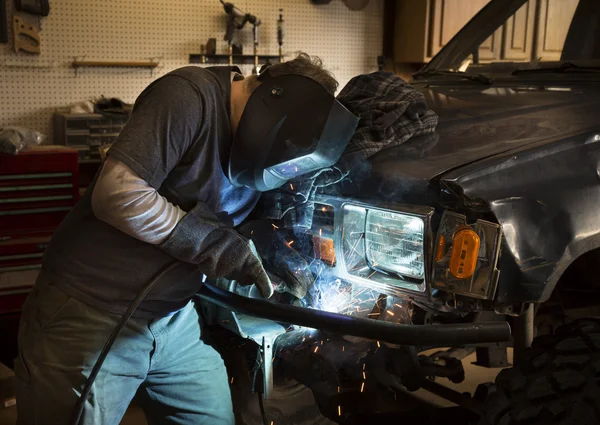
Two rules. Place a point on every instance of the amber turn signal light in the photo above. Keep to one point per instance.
(465, 248)
(441, 247)
(324, 249)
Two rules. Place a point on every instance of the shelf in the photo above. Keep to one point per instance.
(100, 126)
(103, 134)
(114, 64)
(237, 59)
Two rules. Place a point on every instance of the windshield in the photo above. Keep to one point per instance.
(561, 36)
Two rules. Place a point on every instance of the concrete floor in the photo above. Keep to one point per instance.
(474, 376)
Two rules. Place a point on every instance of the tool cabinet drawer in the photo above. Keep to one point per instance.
(37, 189)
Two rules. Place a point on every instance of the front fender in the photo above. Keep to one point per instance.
(546, 197)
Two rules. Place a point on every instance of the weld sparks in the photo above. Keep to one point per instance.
(332, 294)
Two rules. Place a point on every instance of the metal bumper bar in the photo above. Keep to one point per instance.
(420, 335)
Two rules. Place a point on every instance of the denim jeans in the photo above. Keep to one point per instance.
(178, 379)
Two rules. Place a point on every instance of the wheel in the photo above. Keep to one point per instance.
(556, 382)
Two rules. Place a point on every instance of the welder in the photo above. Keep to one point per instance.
(200, 145)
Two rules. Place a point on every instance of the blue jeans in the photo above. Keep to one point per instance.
(177, 378)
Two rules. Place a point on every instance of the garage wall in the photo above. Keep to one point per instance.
(33, 86)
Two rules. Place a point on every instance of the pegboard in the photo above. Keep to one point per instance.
(32, 87)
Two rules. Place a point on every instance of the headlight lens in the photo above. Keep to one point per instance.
(394, 243)
(381, 245)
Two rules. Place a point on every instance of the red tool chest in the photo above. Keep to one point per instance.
(38, 188)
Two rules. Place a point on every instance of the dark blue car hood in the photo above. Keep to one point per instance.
(478, 122)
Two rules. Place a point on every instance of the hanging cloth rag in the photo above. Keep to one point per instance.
(391, 112)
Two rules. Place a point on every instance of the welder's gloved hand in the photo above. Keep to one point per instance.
(237, 260)
(259, 276)
(218, 250)
(286, 267)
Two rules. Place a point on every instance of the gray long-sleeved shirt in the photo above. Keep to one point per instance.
(124, 200)
(177, 140)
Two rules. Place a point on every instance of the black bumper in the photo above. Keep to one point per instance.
(419, 335)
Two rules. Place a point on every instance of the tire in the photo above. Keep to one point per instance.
(557, 381)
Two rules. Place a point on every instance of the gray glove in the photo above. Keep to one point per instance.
(218, 250)
(286, 267)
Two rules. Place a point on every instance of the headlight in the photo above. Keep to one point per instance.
(394, 243)
(384, 246)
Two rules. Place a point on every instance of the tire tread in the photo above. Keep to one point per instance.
(557, 381)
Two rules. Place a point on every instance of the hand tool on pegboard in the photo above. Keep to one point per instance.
(255, 23)
(3, 22)
(25, 36)
(35, 7)
(356, 4)
(280, 35)
(236, 19)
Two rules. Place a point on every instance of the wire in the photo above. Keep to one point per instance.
(78, 411)
(261, 406)
(257, 366)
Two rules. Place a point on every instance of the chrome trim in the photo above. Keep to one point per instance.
(21, 256)
(15, 291)
(36, 199)
(34, 211)
(20, 268)
(36, 187)
(33, 176)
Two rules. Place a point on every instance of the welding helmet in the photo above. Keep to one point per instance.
(290, 126)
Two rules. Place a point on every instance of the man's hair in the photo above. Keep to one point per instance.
(303, 64)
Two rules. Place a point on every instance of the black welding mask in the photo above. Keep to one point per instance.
(290, 126)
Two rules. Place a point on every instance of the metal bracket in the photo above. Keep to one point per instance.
(261, 331)
(267, 366)
(492, 356)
